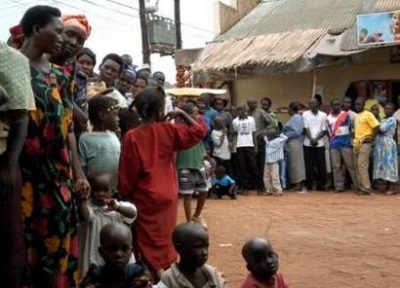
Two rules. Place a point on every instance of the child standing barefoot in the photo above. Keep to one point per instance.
(100, 210)
(191, 242)
(191, 174)
(147, 175)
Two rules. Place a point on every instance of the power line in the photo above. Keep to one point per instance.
(108, 8)
(119, 4)
(89, 12)
(16, 4)
(136, 9)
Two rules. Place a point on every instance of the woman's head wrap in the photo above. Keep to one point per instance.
(17, 36)
(131, 71)
(79, 21)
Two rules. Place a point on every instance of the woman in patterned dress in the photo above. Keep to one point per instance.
(385, 152)
(47, 161)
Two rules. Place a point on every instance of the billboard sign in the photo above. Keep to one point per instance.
(378, 28)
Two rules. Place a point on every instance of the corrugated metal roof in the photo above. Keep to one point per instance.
(289, 15)
(349, 42)
(278, 33)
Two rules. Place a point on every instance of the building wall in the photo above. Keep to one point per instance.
(284, 88)
(227, 15)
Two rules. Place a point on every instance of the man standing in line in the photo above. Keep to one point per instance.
(340, 130)
(245, 129)
(263, 122)
(314, 146)
(365, 128)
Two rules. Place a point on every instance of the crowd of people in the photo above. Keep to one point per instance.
(91, 165)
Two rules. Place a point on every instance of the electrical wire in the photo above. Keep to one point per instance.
(137, 9)
(17, 5)
(110, 9)
(114, 20)
(119, 4)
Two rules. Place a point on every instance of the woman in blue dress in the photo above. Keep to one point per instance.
(385, 152)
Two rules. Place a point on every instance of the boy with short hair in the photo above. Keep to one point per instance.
(223, 184)
(191, 243)
(116, 250)
(273, 154)
(262, 262)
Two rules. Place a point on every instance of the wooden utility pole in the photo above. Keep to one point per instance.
(177, 9)
(145, 33)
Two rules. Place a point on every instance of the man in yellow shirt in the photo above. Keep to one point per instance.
(365, 128)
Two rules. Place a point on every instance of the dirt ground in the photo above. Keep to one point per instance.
(324, 240)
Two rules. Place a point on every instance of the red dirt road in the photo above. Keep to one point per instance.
(324, 240)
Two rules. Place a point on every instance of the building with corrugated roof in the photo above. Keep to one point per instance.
(292, 49)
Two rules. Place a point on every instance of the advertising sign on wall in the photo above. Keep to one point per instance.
(378, 28)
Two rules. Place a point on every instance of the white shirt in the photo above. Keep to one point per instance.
(122, 101)
(245, 129)
(223, 151)
(315, 123)
(168, 105)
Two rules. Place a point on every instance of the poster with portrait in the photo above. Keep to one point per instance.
(378, 28)
(380, 91)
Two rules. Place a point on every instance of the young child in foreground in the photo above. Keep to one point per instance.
(223, 184)
(95, 213)
(191, 174)
(116, 250)
(263, 263)
(191, 243)
(273, 154)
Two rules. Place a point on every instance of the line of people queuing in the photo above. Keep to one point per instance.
(61, 174)
(338, 150)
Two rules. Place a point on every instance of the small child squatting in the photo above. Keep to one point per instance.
(223, 184)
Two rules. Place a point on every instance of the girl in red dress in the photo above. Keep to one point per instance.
(147, 175)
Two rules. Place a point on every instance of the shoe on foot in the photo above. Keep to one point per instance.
(278, 193)
(200, 220)
(362, 192)
(303, 191)
(391, 193)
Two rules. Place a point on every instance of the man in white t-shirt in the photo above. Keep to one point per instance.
(245, 128)
(314, 145)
